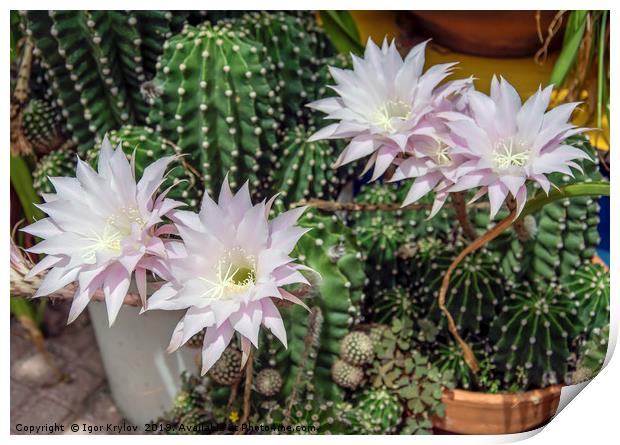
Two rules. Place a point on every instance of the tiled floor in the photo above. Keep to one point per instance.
(39, 398)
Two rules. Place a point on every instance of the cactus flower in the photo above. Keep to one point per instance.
(235, 265)
(382, 102)
(102, 227)
(508, 143)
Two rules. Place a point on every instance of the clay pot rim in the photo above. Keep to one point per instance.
(463, 396)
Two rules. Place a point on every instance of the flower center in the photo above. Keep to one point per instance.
(116, 228)
(509, 153)
(391, 110)
(235, 273)
(441, 155)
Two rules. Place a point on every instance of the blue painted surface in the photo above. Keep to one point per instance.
(603, 229)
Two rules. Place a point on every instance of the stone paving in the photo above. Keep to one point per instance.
(80, 396)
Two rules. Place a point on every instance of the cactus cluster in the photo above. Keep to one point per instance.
(268, 382)
(591, 355)
(590, 287)
(96, 63)
(310, 416)
(42, 125)
(56, 163)
(227, 370)
(346, 375)
(375, 412)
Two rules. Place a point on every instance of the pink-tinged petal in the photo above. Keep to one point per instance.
(176, 341)
(69, 188)
(155, 246)
(484, 112)
(479, 194)
(288, 275)
(56, 279)
(188, 219)
(497, 195)
(87, 277)
(421, 186)
(247, 321)
(222, 310)
(246, 347)
(240, 204)
(152, 178)
(285, 240)
(357, 149)
(272, 320)
(78, 304)
(195, 320)
(44, 228)
(293, 299)
(513, 182)
(115, 289)
(530, 117)
(472, 180)
(166, 229)
(545, 184)
(215, 341)
(164, 298)
(327, 105)
(520, 199)
(66, 243)
(71, 216)
(323, 133)
(265, 290)
(410, 168)
(270, 259)
(123, 181)
(95, 188)
(384, 159)
(129, 261)
(140, 277)
(440, 200)
(44, 264)
(287, 219)
(476, 138)
(105, 155)
(253, 230)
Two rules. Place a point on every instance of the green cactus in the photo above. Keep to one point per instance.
(356, 348)
(290, 51)
(533, 332)
(42, 126)
(591, 355)
(96, 62)
(310, 416)
(149, 146)
(476, 287)
(304, 169)
(375, 412)
(214, 101)
(590, 287)
(346, 375)
(394, 302)
(330, 250)
(60, 162)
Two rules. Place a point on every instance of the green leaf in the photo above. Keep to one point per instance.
(572, 41)
(342, 31)
(594, 188)
(601, 71)
(22, 183)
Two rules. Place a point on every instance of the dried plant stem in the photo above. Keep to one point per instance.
(460, 208)
(247, 389)
(333, 206)
(490, 235)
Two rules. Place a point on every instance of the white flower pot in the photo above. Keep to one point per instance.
(142, 376)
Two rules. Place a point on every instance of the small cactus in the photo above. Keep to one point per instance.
(590, 287)
(357, 349)
(41, 125)
(346, 375)
(227, 369)
(268, 382)
(376, 411)
(58, 163)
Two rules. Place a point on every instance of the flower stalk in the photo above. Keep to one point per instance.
(460, 208)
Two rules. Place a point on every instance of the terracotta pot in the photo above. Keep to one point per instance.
(469, 412)
(486, 33)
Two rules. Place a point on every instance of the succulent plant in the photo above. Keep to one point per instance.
(590, 288)
(215, 101)
(347, 375)
(533, 331)
(310, 416)
(375, 411)
(591, 355)
(330, 250)
(227, 370)
(41, 124)
(57, 163)
(357, 349)
(148, 146)
(401, 369)
(268, 382)
(96, 62)
(391, 303)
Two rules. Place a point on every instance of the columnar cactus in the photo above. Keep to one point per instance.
(214, 100)
(533, 332)
(304, 169)
(332, 252)
(57, 163)
(376, 412)
(95, 62)
(149, 146)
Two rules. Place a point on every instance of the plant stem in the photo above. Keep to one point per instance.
(333, 206)
(490, 235)
(247, 389)
(458, 202)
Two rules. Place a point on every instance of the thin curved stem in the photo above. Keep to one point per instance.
(247, 390)
(490, 235)
(460, 208)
